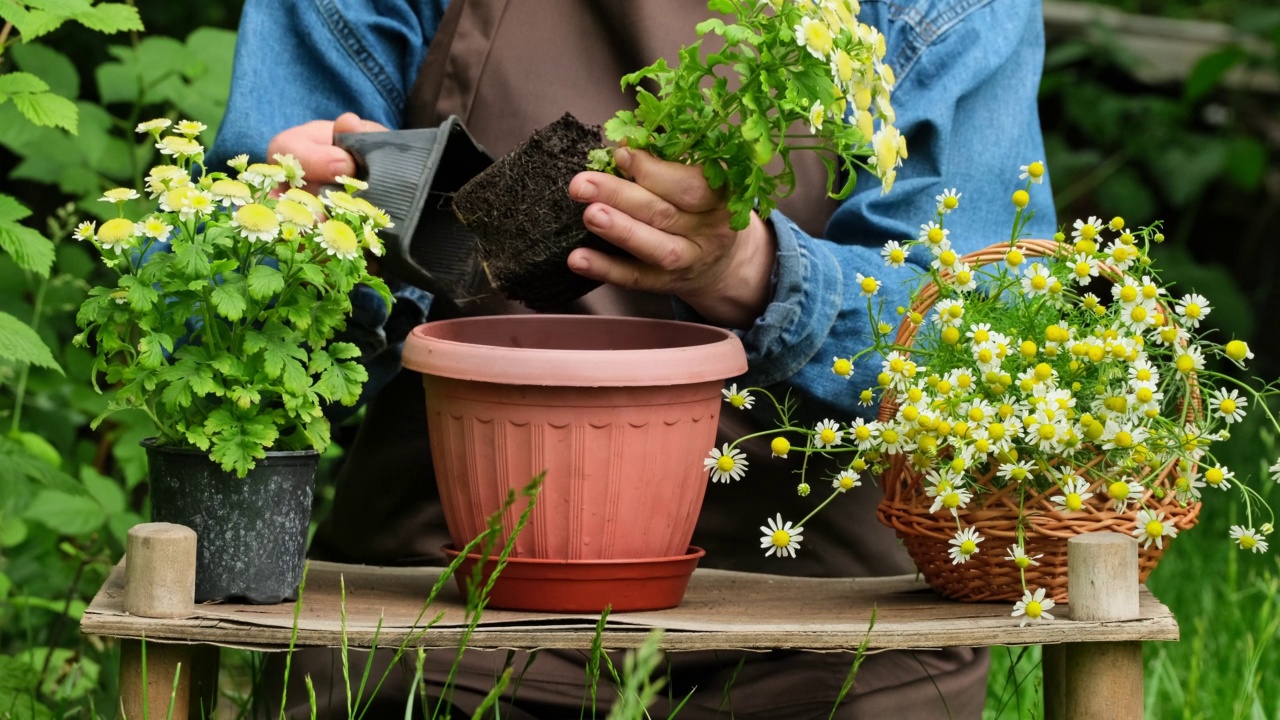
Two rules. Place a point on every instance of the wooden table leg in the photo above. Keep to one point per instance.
(1103, 680)
(151, 698)
(1053, 667)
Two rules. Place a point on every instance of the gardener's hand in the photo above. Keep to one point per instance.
(312, 145)
(677, 228)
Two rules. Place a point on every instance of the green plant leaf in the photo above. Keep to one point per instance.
(48, 110)
(65, 8)
(31, 250)
(50, 66)
(152, 349)
(65, 513)
(22, 344)
(1209, 71)
(105, 490)
(32, 24)
(11, 210)
(110, 18)
(341, 382)
(264, 282)
(229, 297)
(21, 83)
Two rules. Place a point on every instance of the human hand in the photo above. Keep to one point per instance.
(312, 145)
(677, 229)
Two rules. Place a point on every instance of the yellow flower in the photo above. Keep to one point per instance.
(117, 234)
(152, 126)
(1021, 199)
(816, 115)
(815, 36)
(1238, 350)
(338, 239)
(302, 196)
(231, 192)
(189, 128)
(292, 211)
(257, 222)
(179, 146)
(118, 196)
(842, 68)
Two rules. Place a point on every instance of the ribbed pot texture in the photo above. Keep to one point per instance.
(619, 412)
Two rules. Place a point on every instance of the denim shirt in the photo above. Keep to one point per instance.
(968, 73)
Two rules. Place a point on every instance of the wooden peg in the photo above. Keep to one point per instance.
(160, 567)
(1103, 679)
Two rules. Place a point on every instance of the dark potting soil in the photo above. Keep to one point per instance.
(524, 221)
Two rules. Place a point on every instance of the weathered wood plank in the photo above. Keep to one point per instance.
(721, 610)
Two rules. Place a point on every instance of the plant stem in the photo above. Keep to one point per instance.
(4, 34)
(20, 392)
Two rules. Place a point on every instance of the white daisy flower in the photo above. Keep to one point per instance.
(1153, 528)
(842, 367)
(780, 537)
(726, 464)
(964, 545)
(1017, 471)
(257, 222)
(827, 434)
(1036, 280)
(1033, 171)
(1083, 268)
(1123, 492)
(949, 200)
(862, 434)
(814, 35)
(1018, 556)
(1219, 476)
(846, 481)
(1228, 405)
(741, 400)
(1087, 230)
(949, 312)
(190, 128)
(1248, 539)
(1033, 607)
(954, 499)
(86, 229)
(868, 285)
(294, 173)
(153, 126)
(894, 254)
(935, 236)
(154, 227)
(1074, 493)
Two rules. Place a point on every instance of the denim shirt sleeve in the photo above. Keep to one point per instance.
(302, 60)
(969, 71)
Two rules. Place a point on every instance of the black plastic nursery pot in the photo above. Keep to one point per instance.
(251, 532)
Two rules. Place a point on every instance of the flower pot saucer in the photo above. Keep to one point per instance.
(586, 586)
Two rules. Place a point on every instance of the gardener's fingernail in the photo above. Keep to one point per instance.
(587, 190)
(577, 262)
(622, 158)
(597, 217)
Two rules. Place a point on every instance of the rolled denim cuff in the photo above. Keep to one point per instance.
(807, 297)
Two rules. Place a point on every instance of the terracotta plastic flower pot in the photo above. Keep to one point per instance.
(619, 413)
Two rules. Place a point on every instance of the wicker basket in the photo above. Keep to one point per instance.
(988, 575)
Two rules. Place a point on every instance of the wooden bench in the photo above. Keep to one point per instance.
(1093, 657)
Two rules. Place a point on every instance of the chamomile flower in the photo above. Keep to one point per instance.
(263, 175)
(862, 434)
(726, 463)
(1033, 171)
(1018, 556)
(953, 500)
(190, 128)
(1122, 492)
(257, 222)
(894, 254)
(935, 237)
(741, 400)
(196, 204)
(1189, 360)
(946, 260)
(1219, 476)
(892, 439)
(1083, 268)
(295, 213)
(949, 312)
(814, 35)
(1017, 471)
(119, 196)
(827, 434)
(1187, 484)
(779, 447)
(1248, 539)
(293, 172)
(846, 481)
(338, 239)
(1274, 469)
(1238, 350)
(237, 163)
(816, 115)
(1121, 256)
(153, 126)
(155, 228)
(1074, 492)
(949, 200)
(780, 538)
(179, 147)
(1193, 308)
(1228, 405)
(1153, 528)
(117, 234)
(868, 285)
(962, 277)
(1087, 229)
(964, 545)
(231, 192)
(842, 367)
(1036, 280)
(1033, 607)
(87, 229)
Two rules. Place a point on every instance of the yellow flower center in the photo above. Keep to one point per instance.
(842, 367)
(231, 189)
(339, 239)
(1035, 169)
(1237, 350)
(1185, 363)
(951, 500)
(947, 259)
(1124, 439)
(843, 66)
(889, 437)
(1138, 314)
(862, 432)
(1117, 223)
(780, 446)
(950, 202)
(724, 463)
(1086, 245)
(897, 256)
(116, 231)
(781, 538)
(1154, 529)
(996, 431)
(1088, 231)
(1047, 431)
(1248, 542)
(1192, 311)
(1022, 561)
(256, 217)
(1073, 502)
(1214, 476)
(968, 547)
(737, 401)
(1144, 395)
(1014, 258)
(1227, 406)
(818, 36)
(936, 235)
(828, 436)
(951, 335)
(869, 285)
(1118, 490)
(1020, 199)
(1034, 609)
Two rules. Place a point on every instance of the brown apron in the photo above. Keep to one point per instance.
(507, 68)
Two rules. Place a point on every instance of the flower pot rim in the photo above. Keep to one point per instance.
(693, 552)
(152, 443)
(710, 353)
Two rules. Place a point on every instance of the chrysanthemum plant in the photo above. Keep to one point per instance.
(784, 64)
(1074, 375)
(221, 322)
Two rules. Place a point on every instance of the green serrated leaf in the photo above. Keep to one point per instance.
(341, 382)
(229, 298)
(22, 344)
(11, 210)
(50, 66)
(48, 110)
(265, 282)
(110, 18)
(32, 24)
(31, 250)
(13, 83)
(153, 348)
